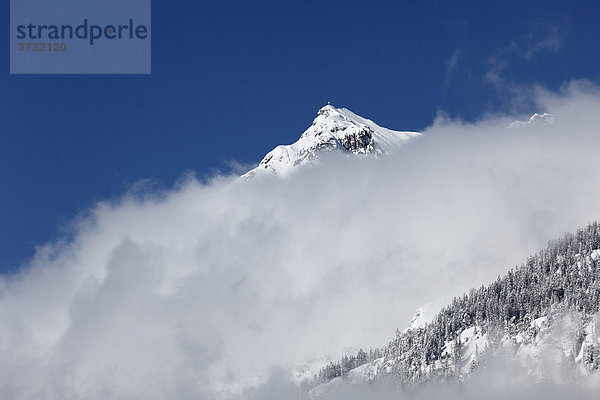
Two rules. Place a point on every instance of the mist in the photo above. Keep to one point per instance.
(502, 379)
(203, 290)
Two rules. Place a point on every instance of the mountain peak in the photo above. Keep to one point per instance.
(328, 108)
(330, 111)
(544, 119)
(334, 129)
(331, 114)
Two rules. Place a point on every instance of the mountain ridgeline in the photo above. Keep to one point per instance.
(518, 310)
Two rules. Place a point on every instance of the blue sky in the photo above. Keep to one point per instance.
(230, 80)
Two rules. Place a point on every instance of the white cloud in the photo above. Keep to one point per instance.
(197, 292)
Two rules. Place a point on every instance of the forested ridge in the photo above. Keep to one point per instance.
(566, 275)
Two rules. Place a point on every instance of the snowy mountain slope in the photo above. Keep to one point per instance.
(364, 373)
(425, 314)
(536, 119)
(334, 129)
(545, 315)
(560, 337)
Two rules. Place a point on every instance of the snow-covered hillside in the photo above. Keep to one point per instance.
(543, 314)
(425, 314)
(333, 129)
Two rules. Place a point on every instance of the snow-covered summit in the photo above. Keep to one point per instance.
(333, 129)
(535, 119)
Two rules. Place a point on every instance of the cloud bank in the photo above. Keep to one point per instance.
(204, 290)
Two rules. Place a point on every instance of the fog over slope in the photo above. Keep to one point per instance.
(209, 288)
